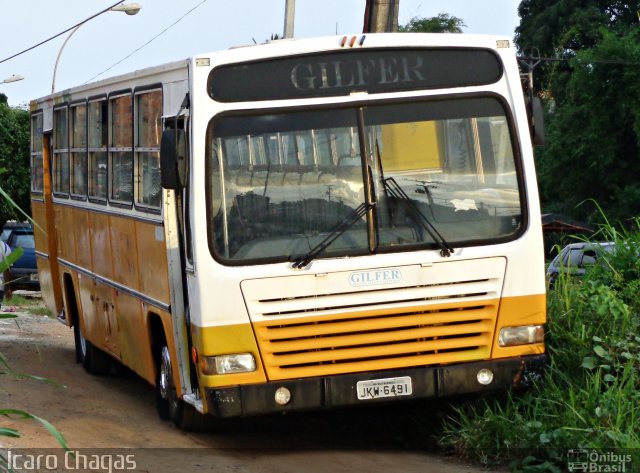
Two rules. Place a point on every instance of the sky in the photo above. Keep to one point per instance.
(100, 46)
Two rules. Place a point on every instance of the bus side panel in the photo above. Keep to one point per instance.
(152, 261)
(101, 256)
(83, 239)
(38, 212)
(133, 336)
(97, 310)
(86, 290)
(66, 228)
(96, 298)
(124, 251)
(107, 319)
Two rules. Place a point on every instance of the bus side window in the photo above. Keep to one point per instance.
(121, 153)
(148, 114)
(97, 141)
(37, 165)
(78, 150)
(61, 151)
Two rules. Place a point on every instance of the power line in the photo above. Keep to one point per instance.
(587, 61)
(62, 32)
(147, 43)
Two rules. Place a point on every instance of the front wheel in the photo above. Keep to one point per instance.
(169, 406)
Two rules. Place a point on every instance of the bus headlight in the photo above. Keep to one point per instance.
(510, 336)
(228, 364)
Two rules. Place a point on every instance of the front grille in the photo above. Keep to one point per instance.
(368, 341)
(313, 325)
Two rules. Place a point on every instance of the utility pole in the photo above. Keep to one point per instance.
(289, 17)
(381, 16)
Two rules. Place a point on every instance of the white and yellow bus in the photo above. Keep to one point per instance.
(304, 224)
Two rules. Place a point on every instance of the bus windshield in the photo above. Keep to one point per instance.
(278, 182)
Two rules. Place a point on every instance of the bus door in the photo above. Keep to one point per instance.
(51, 291)
(180, 255)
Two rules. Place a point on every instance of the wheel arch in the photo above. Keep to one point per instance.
(159, 335)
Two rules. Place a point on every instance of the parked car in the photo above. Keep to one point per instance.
(574, 259)
(10, 227)
(24, 272)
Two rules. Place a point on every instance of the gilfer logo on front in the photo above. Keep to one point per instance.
(375, 277)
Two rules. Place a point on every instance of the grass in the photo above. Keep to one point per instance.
(590, 397)
(31, 305)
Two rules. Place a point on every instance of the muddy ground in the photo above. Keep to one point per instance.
(117, 413)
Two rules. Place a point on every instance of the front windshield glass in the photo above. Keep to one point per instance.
(453, 163)
(278, 183)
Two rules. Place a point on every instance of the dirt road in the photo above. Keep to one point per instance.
(117, 412)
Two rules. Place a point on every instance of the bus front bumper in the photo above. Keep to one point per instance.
(341, 390)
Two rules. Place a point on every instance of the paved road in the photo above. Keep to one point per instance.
(117, 412)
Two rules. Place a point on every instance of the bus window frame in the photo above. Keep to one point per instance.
(138, 91)
(59, 151)
(95, 198)
(36, 153)
(124, 204)
(75, 150)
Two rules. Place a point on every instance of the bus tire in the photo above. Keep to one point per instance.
(169, 406)
(77, 342)
(94, 360)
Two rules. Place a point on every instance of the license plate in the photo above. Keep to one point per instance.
(388, 387)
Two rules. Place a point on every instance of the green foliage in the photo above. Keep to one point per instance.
(562, 28)
(593, 136)
(590, 397)
(442, 23)
(592, 92)
(5, 263)
(14, 159)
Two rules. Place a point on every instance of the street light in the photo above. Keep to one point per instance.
(128, 8)
(13, 78)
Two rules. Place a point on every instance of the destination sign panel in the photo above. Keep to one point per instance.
(345, 71)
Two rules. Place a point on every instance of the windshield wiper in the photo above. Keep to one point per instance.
(342, 226)
(394, 190)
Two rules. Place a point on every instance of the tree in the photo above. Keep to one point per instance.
(561, 28)
(593, 143)
(590, 83)
(442, 23)
(14, 159)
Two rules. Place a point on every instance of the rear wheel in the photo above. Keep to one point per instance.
(169, 406)
(94, 360)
